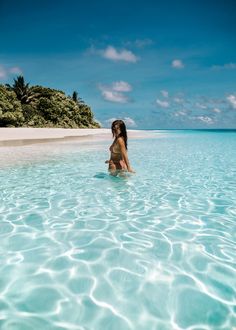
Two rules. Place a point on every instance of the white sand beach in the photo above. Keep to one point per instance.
(27, 145)
(24, 136)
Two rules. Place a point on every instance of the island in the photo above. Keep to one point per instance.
(22, 105)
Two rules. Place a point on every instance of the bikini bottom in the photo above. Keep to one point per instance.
(117, 165)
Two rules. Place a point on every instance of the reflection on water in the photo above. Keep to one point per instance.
(81, 249)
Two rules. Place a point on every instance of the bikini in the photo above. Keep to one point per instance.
(120, 164)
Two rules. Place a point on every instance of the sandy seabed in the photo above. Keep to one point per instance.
(24, 145)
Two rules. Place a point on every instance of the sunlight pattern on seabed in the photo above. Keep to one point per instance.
(155, 250)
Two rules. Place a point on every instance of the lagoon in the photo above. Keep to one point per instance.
(155, 250)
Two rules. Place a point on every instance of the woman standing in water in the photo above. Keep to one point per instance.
(119, 161)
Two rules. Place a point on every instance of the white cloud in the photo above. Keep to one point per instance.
(116, 97)
(4, 73)
(180, 113)
(224, 66)
(121, 86)
(140, 43)
(177, 64)
(143, 42)
(216, 110)
(123, 55)
(115, 91)
(163, 104)
(165, 93)
(205, 119)
(129, 122)
(110, 121)
(201, 106)
(178, 100)
(232, 101)
(230, 66)
(15, 70)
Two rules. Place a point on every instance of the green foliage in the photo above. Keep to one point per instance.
(22, 90)
(76, 98)
(37, 106)
(10, 109)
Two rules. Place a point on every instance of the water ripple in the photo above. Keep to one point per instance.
(83, 250)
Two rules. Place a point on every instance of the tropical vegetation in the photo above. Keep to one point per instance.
(22, 105)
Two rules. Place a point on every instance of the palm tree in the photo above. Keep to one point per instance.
(22, 90)
(76, 98)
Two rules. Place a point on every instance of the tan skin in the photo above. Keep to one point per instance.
(119, 160)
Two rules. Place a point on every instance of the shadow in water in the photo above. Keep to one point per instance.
(102, 175)
(107, 176)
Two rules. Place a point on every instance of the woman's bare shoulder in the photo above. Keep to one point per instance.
(120, 140)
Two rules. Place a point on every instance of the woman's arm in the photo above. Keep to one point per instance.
(124, 153)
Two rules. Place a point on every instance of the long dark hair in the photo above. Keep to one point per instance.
(123, 132)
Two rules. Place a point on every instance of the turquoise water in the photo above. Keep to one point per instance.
(155, 250)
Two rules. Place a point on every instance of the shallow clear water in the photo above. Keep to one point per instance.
(156, 250)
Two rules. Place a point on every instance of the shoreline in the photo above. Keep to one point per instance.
(20, 146)
(21, 136)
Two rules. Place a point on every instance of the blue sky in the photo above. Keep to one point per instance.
(154, 64)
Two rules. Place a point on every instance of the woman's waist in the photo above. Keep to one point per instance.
(116, 160)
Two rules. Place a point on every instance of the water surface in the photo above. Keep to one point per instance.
(155, 250)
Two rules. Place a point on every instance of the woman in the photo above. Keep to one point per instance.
(119, 161)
